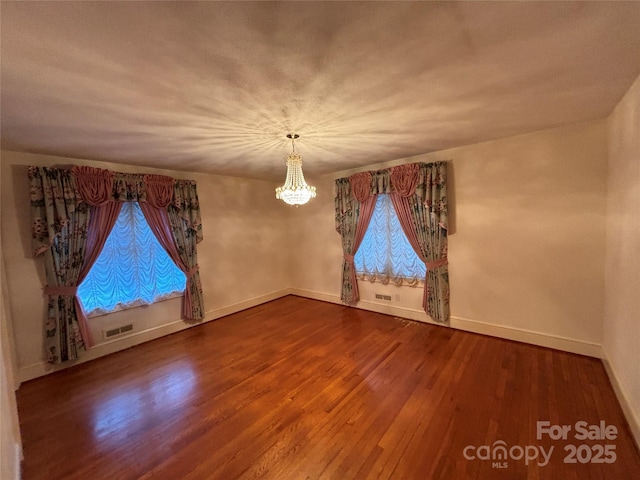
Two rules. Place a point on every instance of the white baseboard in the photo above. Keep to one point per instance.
(252, 302)
(325, 297)
(43, 368)
(500, 331)
(18, 457)
(623, 398)
(528, 336)
(396, 311)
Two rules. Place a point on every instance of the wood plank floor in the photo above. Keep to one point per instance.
(300, 389)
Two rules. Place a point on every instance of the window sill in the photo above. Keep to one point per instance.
(137, 303)
(396, 282)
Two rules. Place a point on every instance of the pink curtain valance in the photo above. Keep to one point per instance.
(98, 186)
(159, 190)
(95, 184)
(425, 180)
(404, 179)
(360, 186)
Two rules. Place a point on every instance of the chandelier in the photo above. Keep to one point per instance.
(295, 190)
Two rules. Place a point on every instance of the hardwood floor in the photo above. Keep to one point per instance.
(300, 389)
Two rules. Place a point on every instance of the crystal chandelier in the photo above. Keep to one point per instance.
(295, 190)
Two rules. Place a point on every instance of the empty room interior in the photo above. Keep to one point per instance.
(320, 240)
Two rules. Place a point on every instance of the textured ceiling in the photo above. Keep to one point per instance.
(215, 86)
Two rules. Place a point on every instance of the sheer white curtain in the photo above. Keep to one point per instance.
(385, 253)
(132, 269)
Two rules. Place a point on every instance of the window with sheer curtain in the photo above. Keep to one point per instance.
(132, 269)
(385, 253)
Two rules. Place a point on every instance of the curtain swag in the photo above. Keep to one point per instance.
(404, 179)
(159, 190)
(361, 186)
(74, 210)
(419, 196)
(94, 184)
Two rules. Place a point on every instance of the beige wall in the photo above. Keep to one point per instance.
(527, 245)
(622, 306)
(10, 447)
(243, 257)
(10, 442)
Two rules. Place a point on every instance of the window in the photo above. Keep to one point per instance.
(132, 269)
(385, 253)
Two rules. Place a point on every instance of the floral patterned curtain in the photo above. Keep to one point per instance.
(175, 234)
(354, 208)
(178, 228)
(187, 206)
(419, 194)
(62, 204)
(186, 239)
(423, 217)
(60, 223)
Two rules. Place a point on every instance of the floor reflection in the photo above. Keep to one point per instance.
(128, 410)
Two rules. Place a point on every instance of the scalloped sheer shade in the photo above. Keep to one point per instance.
(132, 269)
(295, 190)
(385, 253)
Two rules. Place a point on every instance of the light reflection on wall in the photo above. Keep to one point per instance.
(123, 413)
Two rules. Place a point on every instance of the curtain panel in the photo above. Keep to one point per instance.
(419, 195)
(352, 220)
(72, 213)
